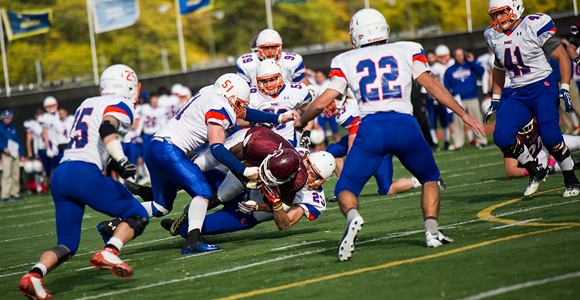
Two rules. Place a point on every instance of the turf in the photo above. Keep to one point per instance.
(494, 255)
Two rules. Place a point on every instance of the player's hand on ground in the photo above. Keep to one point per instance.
(252, 173)
(490, 110)
(126, 168)
(248, 207)
(477, 126)
(565, 96)
(288, 116)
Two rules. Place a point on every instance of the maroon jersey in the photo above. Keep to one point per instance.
(260, 142)
(532, 140)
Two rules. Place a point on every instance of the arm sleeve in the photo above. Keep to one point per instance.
(258, 116)
(550, 45)
(227, 158)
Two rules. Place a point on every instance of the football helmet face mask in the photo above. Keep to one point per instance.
(269, 77)
(368, 26)
(504, 13)
(528, 128)
(235, 90)
(269, 45)
(279, 167)
(122, 81)
(322, 165)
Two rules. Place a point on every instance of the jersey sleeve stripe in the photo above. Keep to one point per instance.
(336, 72)
(221, 115)
(240, 71)
(351, 121)
(301, 66)
(420, 56)
(120, 107)
(548, 27)
(313, 212)
(297, 79)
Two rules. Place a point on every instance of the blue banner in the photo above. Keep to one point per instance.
(114, 14)
(28, 23)
(189, 6)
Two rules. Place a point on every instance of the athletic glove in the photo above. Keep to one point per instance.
(565, 96)
(305, 141)
(250, 171)
(126, 168)
(247, 207)
(577, 60)
(492, 108)
(273, 195)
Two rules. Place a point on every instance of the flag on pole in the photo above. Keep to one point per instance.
(114, 14)
(28, 23)
(189, 6)
(290, 1)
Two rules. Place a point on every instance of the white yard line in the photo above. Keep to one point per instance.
(297, 245)
(520, 286)
(198, 254)
(516, 224)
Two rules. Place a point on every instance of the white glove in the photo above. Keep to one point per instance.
(312, 91)
(50, 153)
(248, 207)
(251, 171)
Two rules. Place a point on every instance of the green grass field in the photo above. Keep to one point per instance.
(506, 247)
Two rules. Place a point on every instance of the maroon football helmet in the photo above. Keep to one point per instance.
(280, 166)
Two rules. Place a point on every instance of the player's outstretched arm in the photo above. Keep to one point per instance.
(440, 93)
(113, 145)
(562, 58)
(216, 137)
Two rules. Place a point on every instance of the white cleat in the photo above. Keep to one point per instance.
(437, 240)
(535, 182)
(571, 191)
(346, 246)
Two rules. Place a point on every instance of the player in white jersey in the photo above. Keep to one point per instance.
(521, 45)
(438, 69)
(380, 75)
(274, 95)
(78, 181)
(171, 102)
(153, 117)
(49, 121)
(269, 44)
(66, 125)
(34, 138)
(248, 209)
(205, 118)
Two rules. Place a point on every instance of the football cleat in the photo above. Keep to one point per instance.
(198, 247)
(572, 184)
(437, 240)
(441, 184)
(346, 246)
(108, 259)
(332, 199)
(167, 223)
(107, 229)
(145, 192)
(535, 181)
(176, 226)
(31, 286)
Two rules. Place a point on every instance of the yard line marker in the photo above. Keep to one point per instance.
(516, 224)
(522, 285)
(461, 174)
(4, 275)
(198, 254)
(297, 245)
(384, 266)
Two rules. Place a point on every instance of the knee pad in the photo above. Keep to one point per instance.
(513, 150)
(560, 153)
(62, 252)
(138, 224)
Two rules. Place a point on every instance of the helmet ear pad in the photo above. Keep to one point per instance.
(280, 166)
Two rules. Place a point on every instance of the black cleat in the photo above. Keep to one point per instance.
(167, 223)
(441, 184)
(176, 226)
(145, 192)
(107, 228)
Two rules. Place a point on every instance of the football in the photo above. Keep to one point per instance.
(251, 202)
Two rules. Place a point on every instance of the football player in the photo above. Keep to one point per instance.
(521, 46)
(269, 46)
(530, 137)
(51, 127)
(443, 61)
(274, 95)
(248, 209)
(380, 75)
(204, 118)
(78, 181)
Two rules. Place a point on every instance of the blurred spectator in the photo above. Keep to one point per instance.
(12, 154)
(486, 61)
(461, 81)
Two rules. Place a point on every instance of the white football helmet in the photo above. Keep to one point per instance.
(122, 81)
(28, 167)
(323, 164)
(175, 88)
(37, 166)
(184, 92)
(442, 50)
(269, 38)
(235, 90)
(368, 26)
(317, 136)
(269, 69)
(50, 104)
(515, 9)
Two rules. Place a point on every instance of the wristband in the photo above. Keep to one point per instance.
(577, 60)
(565, 86)
(495, 97)
(277, 205)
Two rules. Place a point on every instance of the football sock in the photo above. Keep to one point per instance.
(353, 212)
(469, 134)
(197, 210)
(431, 226)
(193, 237)
(115, 243)
(434, 136)
(446, 134)
(39, 269)
(416, 182)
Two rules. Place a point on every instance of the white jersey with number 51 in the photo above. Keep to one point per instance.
(380, 76)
